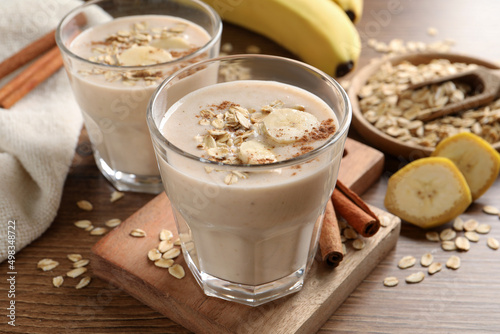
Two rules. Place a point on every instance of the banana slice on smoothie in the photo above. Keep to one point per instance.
(169, 43)
(287, 125)
(476, 159)
(428, 192)
(144, 55)
(254, 152)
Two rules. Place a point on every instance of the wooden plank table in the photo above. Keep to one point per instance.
(463, 301)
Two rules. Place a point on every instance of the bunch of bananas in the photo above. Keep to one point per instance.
(320, 32)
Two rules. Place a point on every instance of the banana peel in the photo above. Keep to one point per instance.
(319, 32)
(353, 8)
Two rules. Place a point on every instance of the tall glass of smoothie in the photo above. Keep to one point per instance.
(249, 149)
(116, 53)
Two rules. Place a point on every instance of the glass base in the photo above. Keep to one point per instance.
(251, 295)
(129, 182)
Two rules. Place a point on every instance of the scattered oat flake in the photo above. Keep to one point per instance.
(350, 234)
(81, 263)
(98, 231)
(471, 225)
(76, 272)
(358, 244)
(166, 235)
(391, 281)
(491, 210)
(177, 242)
(447, 234)
(57, 281)
(90, 228)
(434, 268)
(384, 220)
(493, 243)
(227, 47)
(83, 282)
(432, 236)
(448, 245)
(113, 222)
(177, 271)
(483, 228)
(426, 259)
(83, 223)
(164, 263)
(172, 253)
(138, 233)
(85, 205)
(154, 254)
(74, 257)
(407, 262)
(415, 277)
(472, 236)
(115, 196)
(431, 31)
(253, 49)
(165, 246)
(453, 262)
(462, 243)
(458, 224)
(47, 264)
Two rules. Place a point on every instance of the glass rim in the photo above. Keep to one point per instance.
(343, 126)
(213, 40)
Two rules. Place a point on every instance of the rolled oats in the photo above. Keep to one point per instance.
(493, 243)
(57, 281)
(76, 272)
(83, 282)
(47, 264)
(138, 233)
(434, 268)
(177, 271)
(453, 262)
(415, 277)
(426, 259)
(462, 243)
(407, 262)
(85, 205)
(391, 281)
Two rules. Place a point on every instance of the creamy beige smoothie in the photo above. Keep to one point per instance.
(249, 227)
(114, 101)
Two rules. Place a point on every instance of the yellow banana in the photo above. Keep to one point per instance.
(353, 8)
(319, 32)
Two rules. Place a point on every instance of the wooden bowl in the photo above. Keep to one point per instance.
(379, 139)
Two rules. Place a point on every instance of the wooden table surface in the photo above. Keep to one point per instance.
(463, 301)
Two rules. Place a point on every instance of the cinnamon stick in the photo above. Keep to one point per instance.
(31, 77)
(27, 54)
(355, 211)
(330, 243)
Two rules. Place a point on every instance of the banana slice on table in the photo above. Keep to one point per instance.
(428, 192)
(254, 152)
(475, 157)
(288, 125)
(144, 55)
(169, 43)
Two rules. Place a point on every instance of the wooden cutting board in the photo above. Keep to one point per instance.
(122, 260)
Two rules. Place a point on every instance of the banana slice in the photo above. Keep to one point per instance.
(169, 43)
(254, 152)
(144, 55)
(476, 159)
(288, 125)
(428, 192)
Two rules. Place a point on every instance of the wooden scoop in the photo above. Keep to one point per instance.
(485, 86)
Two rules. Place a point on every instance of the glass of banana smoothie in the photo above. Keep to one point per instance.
(249, 158)
(116, 53)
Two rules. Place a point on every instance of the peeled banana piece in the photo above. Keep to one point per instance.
(143, 55)
(478, 161)
(254, 152)
(286, 125)
(428, 192)
(353, 8)
(317, 31)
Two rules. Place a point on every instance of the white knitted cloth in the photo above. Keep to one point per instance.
(38, 134)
